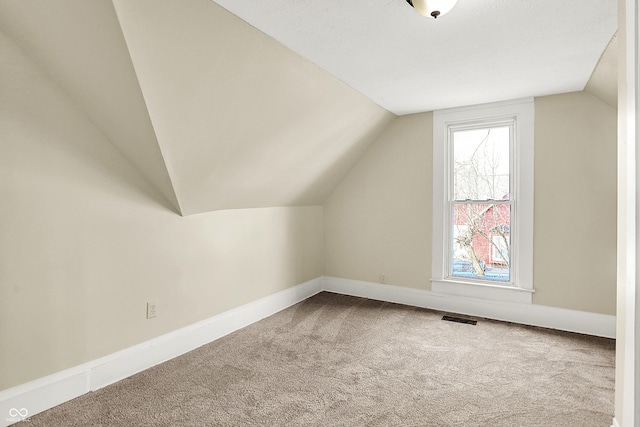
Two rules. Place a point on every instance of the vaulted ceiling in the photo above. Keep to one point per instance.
(220, 114)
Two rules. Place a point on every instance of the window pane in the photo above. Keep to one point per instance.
(481, 243)
(481, 164)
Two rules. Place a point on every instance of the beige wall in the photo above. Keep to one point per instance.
(378, 220)
(575, 203)
(86, 241)
(94, 68)
(242, 120)
(214, 112)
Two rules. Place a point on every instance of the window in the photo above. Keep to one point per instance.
(483, 201)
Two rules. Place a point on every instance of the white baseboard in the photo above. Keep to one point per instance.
(601, 325)
(615, 423)
(44, 393)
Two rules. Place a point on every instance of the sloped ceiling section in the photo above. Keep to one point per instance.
(79, 45)
(603, 83)
(214, 113)
(243, 122)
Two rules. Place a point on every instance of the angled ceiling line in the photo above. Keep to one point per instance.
(243, 121)
(178, 204)
(80, 47)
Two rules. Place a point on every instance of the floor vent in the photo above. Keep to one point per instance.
(459, 320)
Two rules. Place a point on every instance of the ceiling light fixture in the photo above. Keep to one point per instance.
(433, 8)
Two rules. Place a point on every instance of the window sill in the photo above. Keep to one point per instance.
(488, 291)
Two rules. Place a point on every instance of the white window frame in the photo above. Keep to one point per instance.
(520, 287)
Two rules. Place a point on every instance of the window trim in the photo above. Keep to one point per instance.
(520, 288)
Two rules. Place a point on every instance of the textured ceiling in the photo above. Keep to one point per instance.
(481, 51)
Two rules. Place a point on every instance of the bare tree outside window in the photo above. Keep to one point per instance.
(481, 205)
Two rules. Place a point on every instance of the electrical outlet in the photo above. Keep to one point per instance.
(151, 310)
(383, 278)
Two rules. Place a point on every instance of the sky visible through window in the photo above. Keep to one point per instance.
(481, 231)
(481, 164)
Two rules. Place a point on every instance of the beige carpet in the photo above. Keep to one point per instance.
(342, 361)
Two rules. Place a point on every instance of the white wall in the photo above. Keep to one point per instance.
(86, 241)
(627, 409)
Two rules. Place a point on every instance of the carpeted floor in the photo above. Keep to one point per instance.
(336, 360)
